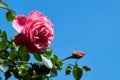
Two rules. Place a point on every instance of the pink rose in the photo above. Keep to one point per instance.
(35, 31)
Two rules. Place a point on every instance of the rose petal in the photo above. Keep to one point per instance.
(79, 53)
(23, 40)
(34, 15)
(19, 22)
(20, 39)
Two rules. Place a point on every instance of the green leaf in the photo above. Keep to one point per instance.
(1, 61)
(37, 56)
(0, 78)
(7, 75)
(40, 69)
(68, 70)
(13, 55)
(86, 68)
(3, 41)
(0, 33)
(37, 77)
(55, 56)
(5, 64)
(16, 75)
(23, 54)
(77, 72)
(1, 45)
(56, 62)
(6, 54)
(23, 70)
(4, 5)
(4, 36)
(2, 55)
(10, 15)
(53, 73)
(48, 52)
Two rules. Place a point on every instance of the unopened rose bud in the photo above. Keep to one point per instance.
(47, 62)
(78, 54)
(75, 55)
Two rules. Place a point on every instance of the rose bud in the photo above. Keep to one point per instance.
(78, 54)
(75, 55)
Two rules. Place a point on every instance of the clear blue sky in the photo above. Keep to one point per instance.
(92, 26)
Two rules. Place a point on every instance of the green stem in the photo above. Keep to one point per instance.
(76, 61)
(68, 64)
(25, 62)
(66, 58)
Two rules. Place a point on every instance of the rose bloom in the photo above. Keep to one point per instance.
(36, 32)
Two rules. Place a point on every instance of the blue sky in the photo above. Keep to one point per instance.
(92, 26)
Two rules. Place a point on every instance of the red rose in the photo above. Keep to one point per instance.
(35, 31)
